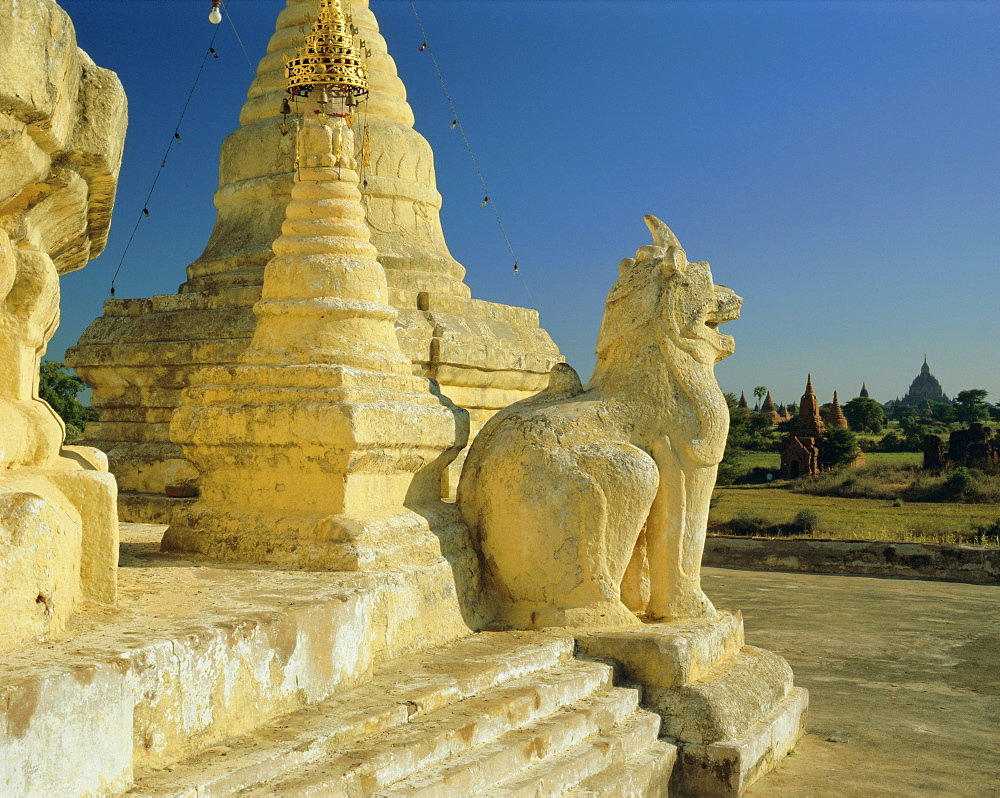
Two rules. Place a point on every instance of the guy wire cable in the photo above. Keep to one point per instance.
(456, 122)
(232, 25)
(176, 137)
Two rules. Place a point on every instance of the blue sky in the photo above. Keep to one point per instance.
(835, 162)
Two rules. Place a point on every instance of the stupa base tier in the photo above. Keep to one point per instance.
(316, 540)
(142, 353)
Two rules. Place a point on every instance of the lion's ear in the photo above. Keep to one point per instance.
(649, 251)
(674, 262)
(679, 257)
(623, 267)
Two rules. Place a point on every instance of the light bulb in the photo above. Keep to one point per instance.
(215, 17)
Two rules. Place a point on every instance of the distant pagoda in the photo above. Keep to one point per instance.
(800, 449)
(925, 388)
(836, 417)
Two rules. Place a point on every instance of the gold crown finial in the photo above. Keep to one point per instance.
(329, 59)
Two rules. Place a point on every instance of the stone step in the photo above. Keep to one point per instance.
(599, 755)
(507, 678)
(646, 775)
(445, 756)
(726, 702)
(489, 726)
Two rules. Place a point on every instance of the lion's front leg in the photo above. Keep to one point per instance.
(675, 538)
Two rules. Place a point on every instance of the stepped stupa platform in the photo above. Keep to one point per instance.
(217, 678)
(142, 353)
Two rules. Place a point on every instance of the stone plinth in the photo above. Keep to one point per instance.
(320, 447)
(142, 353)
(731, 709)
(62, 125)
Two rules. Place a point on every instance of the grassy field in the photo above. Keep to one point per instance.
(857, 519)
(893, 458)
(772, 460)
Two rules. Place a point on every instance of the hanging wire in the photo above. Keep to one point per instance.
(175, 137)
(232, 25)
(457, 123)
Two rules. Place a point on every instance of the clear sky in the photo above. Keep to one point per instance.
(836, 163)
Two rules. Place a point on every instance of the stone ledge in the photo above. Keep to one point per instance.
(198, 652)
(955, 563)
(666, 655)
(728, 703)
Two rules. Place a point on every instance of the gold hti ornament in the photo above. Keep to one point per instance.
(329, 59)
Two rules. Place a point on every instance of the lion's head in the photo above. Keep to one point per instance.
(661, 296)
(659, 283)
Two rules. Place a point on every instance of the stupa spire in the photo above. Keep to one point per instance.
(809, 422)
(319, 447)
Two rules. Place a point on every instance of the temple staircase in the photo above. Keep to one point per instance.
(499, 714)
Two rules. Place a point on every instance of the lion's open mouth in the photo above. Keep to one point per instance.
(727, 308)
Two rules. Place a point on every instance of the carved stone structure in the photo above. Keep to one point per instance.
(743, 401)
(800, 451)
(142, 353)
(558, 488)
(924, 388)
(320, 448)
(317, 446)
(935, 457)
(590, 507)
(973, 446)
(62, 125)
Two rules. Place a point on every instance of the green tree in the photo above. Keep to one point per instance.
(902, 413)
(971, 405)
(732, 465)
(59, 389)
(913, 433)
(864, 415)
(760, 392)
(837, 447)
(943, 412)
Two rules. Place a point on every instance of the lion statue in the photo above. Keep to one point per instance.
(589, 505)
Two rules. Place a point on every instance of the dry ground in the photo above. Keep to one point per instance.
(903, 675)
